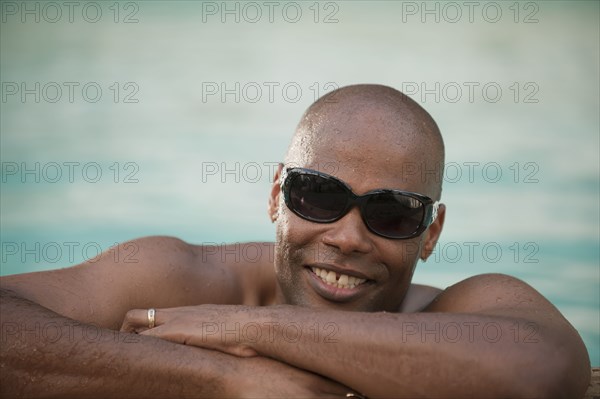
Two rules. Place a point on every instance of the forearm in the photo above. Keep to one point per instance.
(417, 354)
(44, 354)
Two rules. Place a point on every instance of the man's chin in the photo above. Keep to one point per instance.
(314, 301)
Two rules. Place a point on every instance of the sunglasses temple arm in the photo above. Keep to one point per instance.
(434, 211)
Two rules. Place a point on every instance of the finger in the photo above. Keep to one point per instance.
(158, 332)
(134, 320)
(166, 332)
(137, 320)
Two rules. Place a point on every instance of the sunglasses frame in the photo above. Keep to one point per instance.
(429, 216)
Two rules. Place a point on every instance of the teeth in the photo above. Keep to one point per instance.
(343, 280)
(331, 277)
(339, 281)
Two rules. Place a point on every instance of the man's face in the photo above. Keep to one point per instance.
(362, 153)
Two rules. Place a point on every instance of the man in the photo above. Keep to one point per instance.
(328, 310)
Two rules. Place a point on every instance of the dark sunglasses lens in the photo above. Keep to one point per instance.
(394, 215)
(317, 198)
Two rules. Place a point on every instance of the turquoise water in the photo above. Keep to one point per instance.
(163, 138)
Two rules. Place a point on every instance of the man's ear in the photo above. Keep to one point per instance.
(273, 207)
(433, 233)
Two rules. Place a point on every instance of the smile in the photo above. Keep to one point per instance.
(336, 279)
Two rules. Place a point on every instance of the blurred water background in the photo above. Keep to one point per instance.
(183, 107)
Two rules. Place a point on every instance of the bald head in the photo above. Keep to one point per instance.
(371, 125)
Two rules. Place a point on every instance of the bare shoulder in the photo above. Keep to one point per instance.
(485, 293)
(146, 251)
(492, 293)
(189, 274)
(146, 272)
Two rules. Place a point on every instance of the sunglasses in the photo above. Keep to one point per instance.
(322, 198)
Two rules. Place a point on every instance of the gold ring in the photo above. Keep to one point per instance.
(151, 313)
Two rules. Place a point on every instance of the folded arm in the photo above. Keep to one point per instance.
(488, 336)
(44, 353)
(59, 334)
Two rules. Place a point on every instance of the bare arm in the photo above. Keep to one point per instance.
(58, 336)
(46, 354)
(143, 273)
(488, 336)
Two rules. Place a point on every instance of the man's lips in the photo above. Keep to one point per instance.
(337, 284)
(334, 285)
(335, 277)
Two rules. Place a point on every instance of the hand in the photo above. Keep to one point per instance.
(227, 328)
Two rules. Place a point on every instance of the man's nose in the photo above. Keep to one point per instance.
(349, 234)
